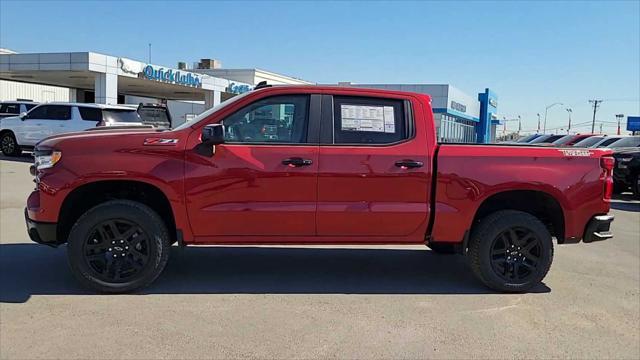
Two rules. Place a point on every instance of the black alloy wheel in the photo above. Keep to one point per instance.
(510, 251)
(515, 254)
(9, 145)
(116, 250)
(118, 246)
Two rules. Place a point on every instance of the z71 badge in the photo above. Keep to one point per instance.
(160, 141)
(575, 152)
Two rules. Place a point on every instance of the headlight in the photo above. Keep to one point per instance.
(45, 159)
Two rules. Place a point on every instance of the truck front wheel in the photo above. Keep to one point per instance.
(510, 251)
(118, 246)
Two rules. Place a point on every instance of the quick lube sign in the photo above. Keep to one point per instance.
(171, 76)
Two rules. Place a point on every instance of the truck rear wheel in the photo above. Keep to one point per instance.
(510, 251)
(118, 246)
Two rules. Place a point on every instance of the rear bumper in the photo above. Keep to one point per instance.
(41, 232)
(598, 229)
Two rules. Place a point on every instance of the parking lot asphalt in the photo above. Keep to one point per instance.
(317, 302)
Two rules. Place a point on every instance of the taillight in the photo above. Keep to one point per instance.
(607, 163)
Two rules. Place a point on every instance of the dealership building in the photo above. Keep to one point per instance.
(89, 77)
(189, 90)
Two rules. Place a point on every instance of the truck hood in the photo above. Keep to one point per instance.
(111, 134)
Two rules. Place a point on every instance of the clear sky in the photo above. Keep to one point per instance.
(531, 54)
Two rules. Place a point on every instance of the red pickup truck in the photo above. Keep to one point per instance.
(295, 165)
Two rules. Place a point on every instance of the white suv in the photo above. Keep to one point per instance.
(23, 132)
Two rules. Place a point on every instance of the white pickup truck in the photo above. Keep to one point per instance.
(23, 132)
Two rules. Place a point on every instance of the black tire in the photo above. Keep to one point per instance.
(9, 145)
(636, 186)
(118, 246)
(443, 248)
(510, 251)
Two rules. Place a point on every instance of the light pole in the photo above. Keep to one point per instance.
(537, 132)
(619, 118)
(519, 124)
(544, 127)
(569, 127)
(504, 128)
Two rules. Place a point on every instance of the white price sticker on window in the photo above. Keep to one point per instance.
(367, 118)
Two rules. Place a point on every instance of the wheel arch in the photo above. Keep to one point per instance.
(90, 194)
(540, 204)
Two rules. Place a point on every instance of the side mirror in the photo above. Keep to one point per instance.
(213, 134)
(23, 115)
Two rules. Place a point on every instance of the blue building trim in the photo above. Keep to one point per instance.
(455, 113)
(488, 109)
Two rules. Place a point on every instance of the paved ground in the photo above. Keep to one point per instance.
(374, 302)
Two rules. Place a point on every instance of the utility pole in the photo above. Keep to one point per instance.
(569, 126)
(519, 124)
(596, 104)
(537, 132)
(619, 118)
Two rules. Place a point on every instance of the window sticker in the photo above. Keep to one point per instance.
(368, 118)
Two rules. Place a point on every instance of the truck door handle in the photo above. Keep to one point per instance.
(296, 162)
(409, 164)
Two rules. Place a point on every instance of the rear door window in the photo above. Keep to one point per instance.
(57, 112)
(376, 121)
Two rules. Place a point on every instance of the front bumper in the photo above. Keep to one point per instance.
(41, 232)
(598, 229)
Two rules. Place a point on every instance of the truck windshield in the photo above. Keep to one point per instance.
(206, 114)
(588, 141)
(155, 115)
(527, 138)
(632, 141)
(563, 140)
(118, 115)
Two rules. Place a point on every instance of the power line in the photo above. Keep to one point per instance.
(596, 104)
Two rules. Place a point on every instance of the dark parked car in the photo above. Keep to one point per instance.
(545, 140)
(528, 138)
(626, 172)
(627, 142)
